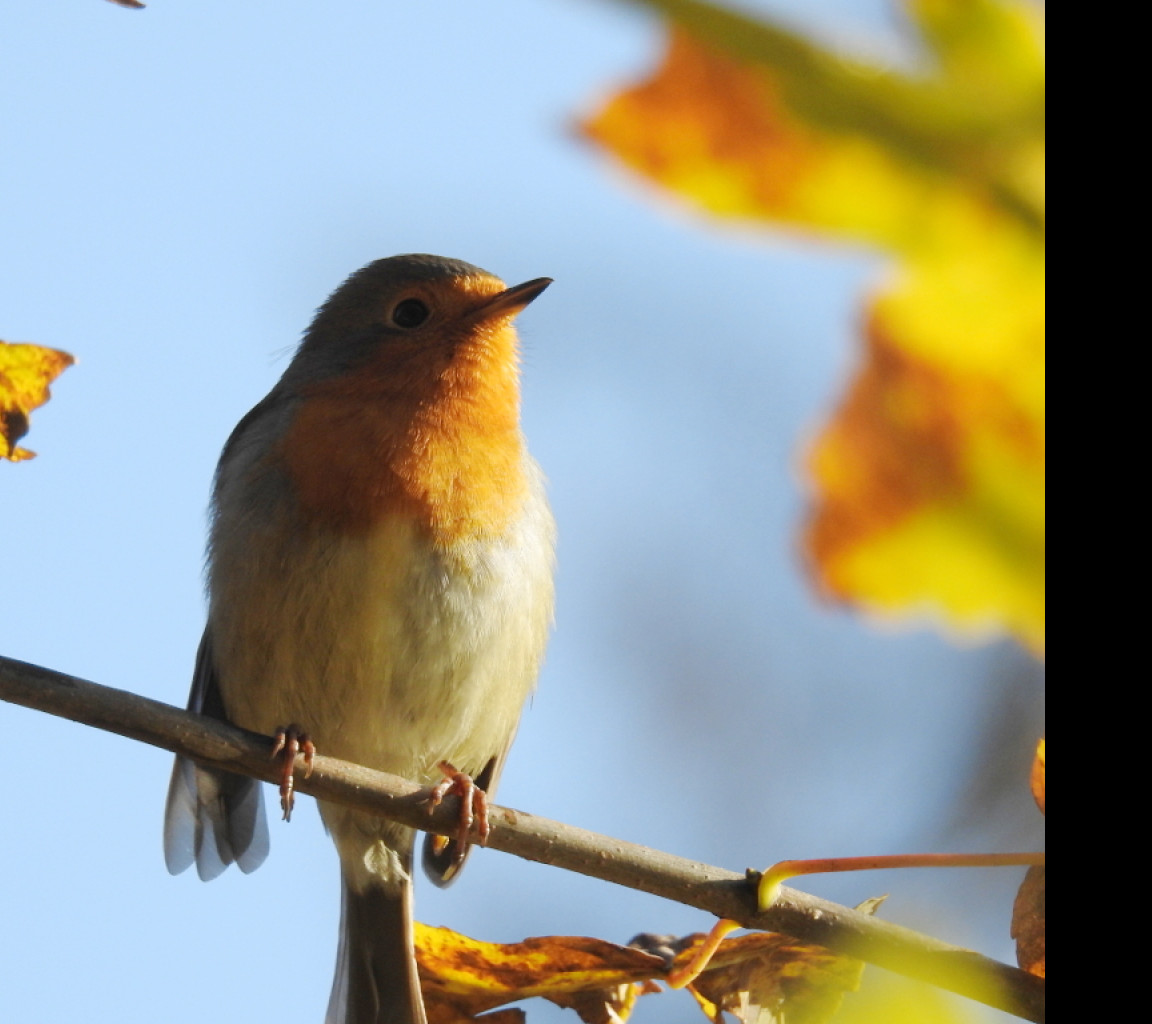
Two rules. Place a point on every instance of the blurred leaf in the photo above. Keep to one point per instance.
(1038, 772)
(886, 998)
(25, 373)
(930, 477)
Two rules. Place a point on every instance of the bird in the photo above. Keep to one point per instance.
(380, 588)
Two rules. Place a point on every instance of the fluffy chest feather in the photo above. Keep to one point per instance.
(395, 638)
(388, 649)
(439, 444)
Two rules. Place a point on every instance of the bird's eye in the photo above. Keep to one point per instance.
(410, 313)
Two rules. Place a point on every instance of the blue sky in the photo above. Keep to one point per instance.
(180, 188)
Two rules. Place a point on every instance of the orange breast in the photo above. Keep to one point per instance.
(437, 438)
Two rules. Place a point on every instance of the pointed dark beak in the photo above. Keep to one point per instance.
(512, 300)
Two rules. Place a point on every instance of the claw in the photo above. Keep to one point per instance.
(290, 741)
(473, 805)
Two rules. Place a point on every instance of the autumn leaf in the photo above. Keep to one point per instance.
(930, 477)
(25, 373)
(463, 977)
(1038, 772)
(776, 979)
(1028, 911)
(1028, 923)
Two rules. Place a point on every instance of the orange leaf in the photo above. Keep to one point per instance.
(25, 373)
(930, 477)
(718, 132)
(1037, 780)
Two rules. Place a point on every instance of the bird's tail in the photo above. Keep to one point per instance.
(376, 980)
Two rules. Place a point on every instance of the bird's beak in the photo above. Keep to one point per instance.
(512, 300)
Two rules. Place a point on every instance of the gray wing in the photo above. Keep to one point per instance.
(212, 818)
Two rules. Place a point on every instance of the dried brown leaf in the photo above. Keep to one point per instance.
(1028, 922)
(777, 979)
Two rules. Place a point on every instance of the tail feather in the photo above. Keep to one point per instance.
(376, 979)
(213, 819)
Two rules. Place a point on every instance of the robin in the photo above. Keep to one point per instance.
(380, 588)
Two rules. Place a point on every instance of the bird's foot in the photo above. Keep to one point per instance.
(473, 806)
(290, 741)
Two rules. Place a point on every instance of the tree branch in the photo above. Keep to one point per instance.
(710, 889)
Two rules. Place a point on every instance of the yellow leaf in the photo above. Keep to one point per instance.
(930, 477)
(720, 134)
(886, 998)
(25, 373)
(461, 976)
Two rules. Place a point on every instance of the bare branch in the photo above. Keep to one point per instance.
(713, 890)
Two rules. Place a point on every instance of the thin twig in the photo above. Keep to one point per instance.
(710, 889)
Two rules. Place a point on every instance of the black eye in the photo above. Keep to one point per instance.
(410, 313)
